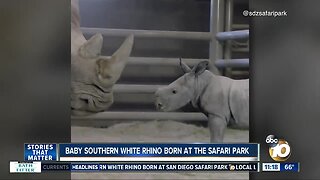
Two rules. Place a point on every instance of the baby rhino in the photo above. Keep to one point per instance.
(223, 100)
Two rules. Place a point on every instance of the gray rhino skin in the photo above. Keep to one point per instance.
(223, 100)
(92, 75)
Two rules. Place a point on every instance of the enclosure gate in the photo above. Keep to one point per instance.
(220, 20)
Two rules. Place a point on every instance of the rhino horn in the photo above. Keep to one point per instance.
(185, 68)
(116, 63)
(92, 48)
(124, 50)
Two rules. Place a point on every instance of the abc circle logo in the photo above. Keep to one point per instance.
(279, 149)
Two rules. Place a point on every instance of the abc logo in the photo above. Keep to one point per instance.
(279, 149)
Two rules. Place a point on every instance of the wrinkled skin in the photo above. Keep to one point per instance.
(223, 100)
(93, 75)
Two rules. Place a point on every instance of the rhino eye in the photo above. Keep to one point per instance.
(174, 91)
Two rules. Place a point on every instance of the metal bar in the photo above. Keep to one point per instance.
(216, 25)
(240, 26)
(162, 61)
(149, 33)
(137, 89)
(228, 24)
(239, 63)
(227, 46)
(143, 116)
(240, 50)
(221, 36)
(231, 35)
(174, 62)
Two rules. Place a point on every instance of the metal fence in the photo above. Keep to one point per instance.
(216, 37)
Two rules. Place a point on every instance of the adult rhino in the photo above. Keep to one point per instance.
(93, 75)
(223, 100)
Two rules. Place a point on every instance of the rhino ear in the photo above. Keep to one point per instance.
(92, 48)
(185, 68)
(200, 67)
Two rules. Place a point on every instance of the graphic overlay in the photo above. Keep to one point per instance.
(25, 167)
(279, 151)
(159, 152)
(128, 157)
(293, 167)
(40, 152)
(152, 157)
(150, 167)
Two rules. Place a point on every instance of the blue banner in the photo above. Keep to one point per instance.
(159, 150)
(40, 152)
(293, 167)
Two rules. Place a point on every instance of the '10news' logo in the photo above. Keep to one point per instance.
(279, 149)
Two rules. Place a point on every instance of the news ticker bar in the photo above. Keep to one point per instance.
(121, 152)
(42, 167)
(38, 167)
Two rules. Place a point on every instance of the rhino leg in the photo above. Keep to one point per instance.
(217, 126)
